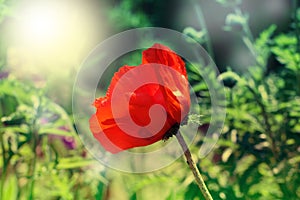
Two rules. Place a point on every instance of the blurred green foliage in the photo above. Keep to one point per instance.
(129, 14)
(256, 157)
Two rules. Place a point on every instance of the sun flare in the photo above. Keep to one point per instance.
(54, 34)
(42, 24)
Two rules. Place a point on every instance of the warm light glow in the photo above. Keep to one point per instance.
(45, 22)
(42, 24)
(51, 36)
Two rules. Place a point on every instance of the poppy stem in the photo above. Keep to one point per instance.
(197, 175)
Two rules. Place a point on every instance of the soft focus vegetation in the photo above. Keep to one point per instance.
(258, 153)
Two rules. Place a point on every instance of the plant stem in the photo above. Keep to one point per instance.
(33, 165)
(197, 175)
(3, 174)
(266, 121)
(203, 26)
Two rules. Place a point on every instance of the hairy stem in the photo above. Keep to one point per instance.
(198, 178)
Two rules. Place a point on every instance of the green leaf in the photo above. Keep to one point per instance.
(16, 129)
(194, 35)
(55, 131)
(199, 87)
(10, 188)
(74, 162)
(100, 191)
(262, 45)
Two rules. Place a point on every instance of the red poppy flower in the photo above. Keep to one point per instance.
(167, 86)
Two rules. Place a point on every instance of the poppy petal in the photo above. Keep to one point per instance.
(161, 54)
(172, 93)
